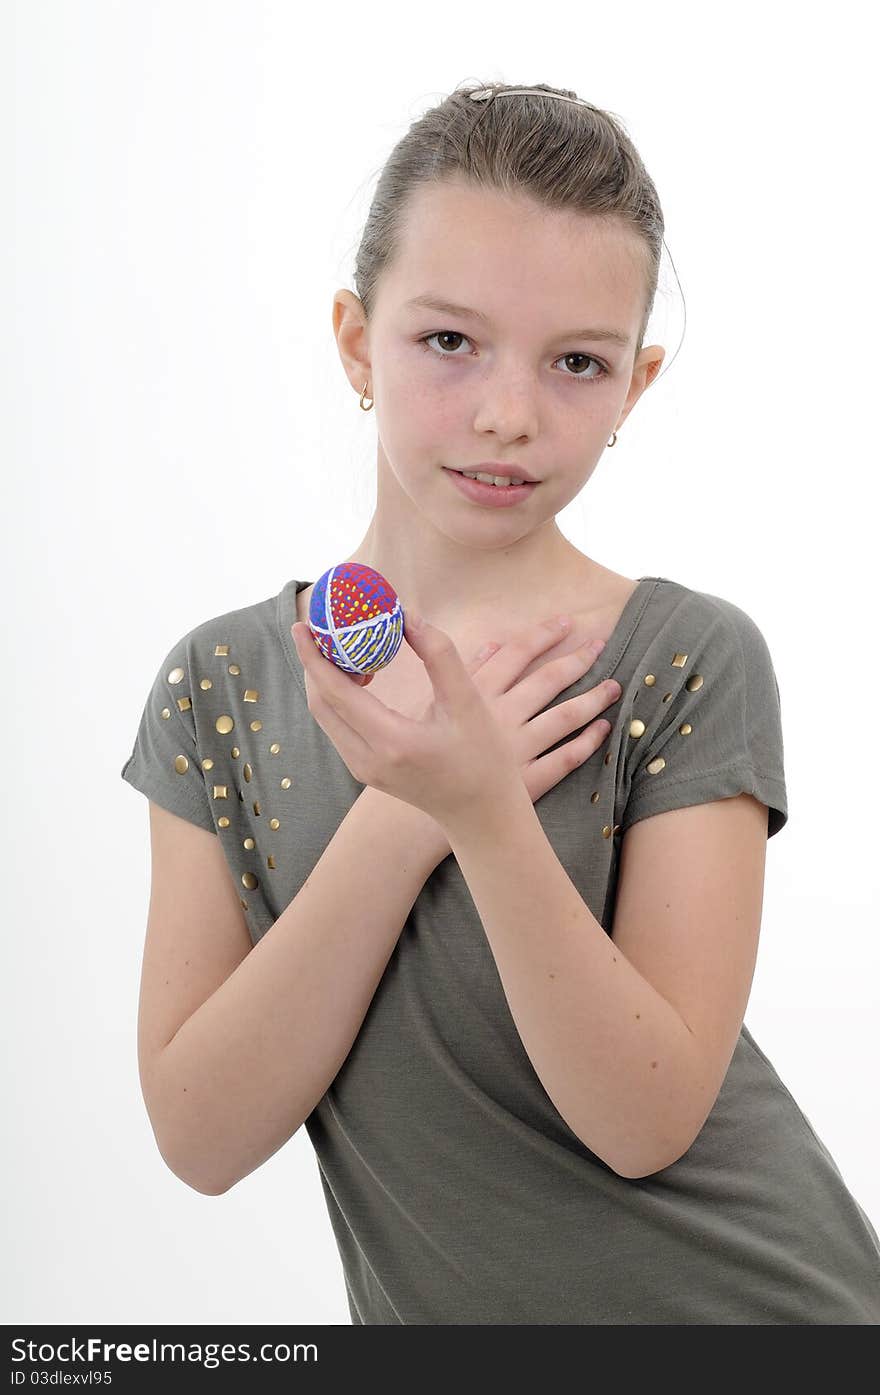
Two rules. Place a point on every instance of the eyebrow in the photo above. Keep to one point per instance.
(447, 307)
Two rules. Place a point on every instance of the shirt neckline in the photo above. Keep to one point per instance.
(615, 646)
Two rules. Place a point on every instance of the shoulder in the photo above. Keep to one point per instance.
(702, 708)
(703, 620)
(218, 658)
(245, 632)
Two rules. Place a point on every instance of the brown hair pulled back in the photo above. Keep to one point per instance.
(565, 155)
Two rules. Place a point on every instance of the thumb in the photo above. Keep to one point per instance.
(449, 678)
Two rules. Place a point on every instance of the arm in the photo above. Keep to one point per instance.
(241, 1074)
(616, 1058)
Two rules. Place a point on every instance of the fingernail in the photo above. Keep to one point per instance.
(563, 621)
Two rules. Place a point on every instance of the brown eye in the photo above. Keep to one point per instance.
(589, 359)
(446, 352)
(442, 334)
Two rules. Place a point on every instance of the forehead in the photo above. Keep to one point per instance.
(495, 251)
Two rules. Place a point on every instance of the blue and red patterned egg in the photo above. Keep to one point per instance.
(356, 618)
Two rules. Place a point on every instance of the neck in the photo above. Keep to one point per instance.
(450, 584)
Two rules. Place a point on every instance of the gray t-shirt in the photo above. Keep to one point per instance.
(456, 1192)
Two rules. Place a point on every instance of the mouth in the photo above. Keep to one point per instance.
(508, 481)
(490, 496)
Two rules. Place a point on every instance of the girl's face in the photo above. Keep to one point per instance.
(534, 369)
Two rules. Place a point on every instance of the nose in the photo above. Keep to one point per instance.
(507, 411)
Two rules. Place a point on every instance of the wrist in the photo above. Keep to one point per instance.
(491, 814)
(415, 828)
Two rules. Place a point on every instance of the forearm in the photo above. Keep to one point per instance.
(245, 1070)
(612, 1053)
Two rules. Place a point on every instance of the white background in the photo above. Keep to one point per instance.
(186, 185)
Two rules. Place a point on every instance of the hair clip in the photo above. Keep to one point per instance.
(482, 94)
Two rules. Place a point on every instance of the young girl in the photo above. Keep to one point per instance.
(488, 928)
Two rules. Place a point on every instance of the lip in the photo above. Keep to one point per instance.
(491, 495)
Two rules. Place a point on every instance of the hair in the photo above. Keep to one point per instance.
(564, 156)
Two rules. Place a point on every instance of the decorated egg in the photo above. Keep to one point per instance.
(356, 618)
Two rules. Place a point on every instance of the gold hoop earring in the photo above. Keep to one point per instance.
(372, 399)
(613, 441)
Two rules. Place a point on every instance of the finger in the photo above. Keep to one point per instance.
(522, 649)
(589, 709)
(535, 692)
(364, 714)
(449, 677)
(362, 679)
(543, 773)
(349, 743)
(482, 656)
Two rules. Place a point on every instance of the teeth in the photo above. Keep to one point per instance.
(490, 479)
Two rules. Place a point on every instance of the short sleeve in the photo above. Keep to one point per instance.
(164, 763)
(706, 719)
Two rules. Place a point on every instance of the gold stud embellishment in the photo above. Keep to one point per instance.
(616, 828)
(249, 844)
(655, 766)
(594, 797)
(234, 670)
(252, 695)
(221, 651)
(607, 760)
(248, 771)
(235, 753)
(285, 783)
(221, 791)
(205, 684)
(256, 726)
(207, 763)
(166, 713)
(224, 724)
(175, 675)
(650, 680)
(637, 727)
(685, 729)
(181, 764)
(274, 748)
(273, 823)
(223, 822)
(257, 807)
(183, 704)
(679, 660)
(666, 697)
(270, 861)
(606, 831)
(694, 682)
(249, 880)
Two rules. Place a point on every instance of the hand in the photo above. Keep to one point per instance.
(514, 703)
(473, 735)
